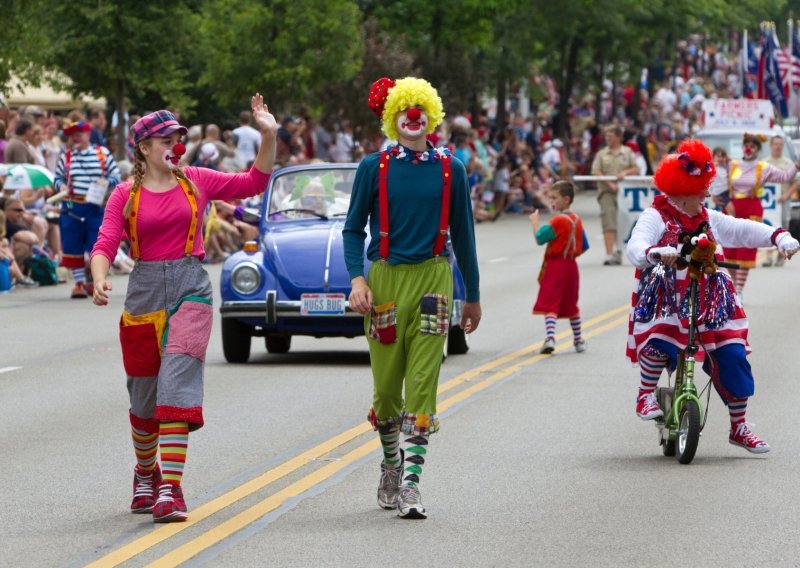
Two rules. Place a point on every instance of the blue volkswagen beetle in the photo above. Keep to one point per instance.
(293, 280)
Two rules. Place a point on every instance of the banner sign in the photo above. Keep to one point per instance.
(747, 114)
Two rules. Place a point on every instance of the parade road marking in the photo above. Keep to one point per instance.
(236, 523)
(8, 369)
(498, 259)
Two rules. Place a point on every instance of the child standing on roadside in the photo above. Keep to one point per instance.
(559, 279)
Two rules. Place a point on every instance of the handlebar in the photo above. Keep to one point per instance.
(721, 264)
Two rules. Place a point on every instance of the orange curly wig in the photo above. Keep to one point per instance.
(687, 172)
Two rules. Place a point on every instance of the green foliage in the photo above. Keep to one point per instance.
(289, 50)
(22, 44)
(322, 55)
(103, 44)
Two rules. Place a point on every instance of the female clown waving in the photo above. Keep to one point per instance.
(166, 322)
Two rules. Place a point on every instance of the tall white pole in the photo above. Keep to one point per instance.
(743, 64)
(792, 94)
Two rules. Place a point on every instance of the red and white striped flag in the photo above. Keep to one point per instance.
(783, 57)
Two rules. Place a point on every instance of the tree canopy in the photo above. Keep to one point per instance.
(321, 55)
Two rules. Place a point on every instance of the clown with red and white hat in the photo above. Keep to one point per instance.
(657, 327)
(411, 195)
(85, 174)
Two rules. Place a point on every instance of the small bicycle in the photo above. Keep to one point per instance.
(684, 417)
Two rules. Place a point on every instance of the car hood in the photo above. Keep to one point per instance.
(298, 254)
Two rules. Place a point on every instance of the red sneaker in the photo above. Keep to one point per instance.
(144, 489)
(647, 407)
(89, 287)
(170, 506)
(742, 436)
(79, 291)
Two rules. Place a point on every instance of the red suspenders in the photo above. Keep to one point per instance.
(383, 205)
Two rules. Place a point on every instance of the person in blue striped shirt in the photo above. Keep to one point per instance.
(86, 174)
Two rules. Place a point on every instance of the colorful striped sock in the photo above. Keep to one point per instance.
(737, 408)
(741, 279)
(415, 448)
(651, 363)
(145, 445)
(390, 441)
(550, 325)
(575, 323)
(174, 439)
(79, 275)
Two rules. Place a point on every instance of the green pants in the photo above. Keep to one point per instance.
(407, 330)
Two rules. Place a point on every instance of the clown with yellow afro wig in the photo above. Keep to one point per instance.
(388, 98)
(412, 196)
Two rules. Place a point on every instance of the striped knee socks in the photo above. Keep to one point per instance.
(737, 407)
(415, 448)
(145, 445)
(79, 275)
(740, 278)
(550, 326)
(651, 362)
(173, 440)
(575, 323)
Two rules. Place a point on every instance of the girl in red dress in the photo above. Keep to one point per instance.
(559, 279)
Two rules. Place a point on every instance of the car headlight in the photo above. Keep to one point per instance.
(246, 278)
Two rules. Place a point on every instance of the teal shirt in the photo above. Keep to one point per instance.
(415, 203)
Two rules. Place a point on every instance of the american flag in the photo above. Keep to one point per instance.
(783, 57)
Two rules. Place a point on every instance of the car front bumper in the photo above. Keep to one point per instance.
(271, 309)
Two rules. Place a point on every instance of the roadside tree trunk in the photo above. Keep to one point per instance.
(121, 123)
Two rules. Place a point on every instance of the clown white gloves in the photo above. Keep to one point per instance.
(662, 254)
(787, 244)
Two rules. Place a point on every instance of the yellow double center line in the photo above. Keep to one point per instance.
(594, 326)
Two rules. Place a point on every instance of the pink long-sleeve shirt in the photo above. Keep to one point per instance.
(164, 218)
(746, 181)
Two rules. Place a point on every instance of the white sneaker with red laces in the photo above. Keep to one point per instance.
(647, 407)
(742, 436)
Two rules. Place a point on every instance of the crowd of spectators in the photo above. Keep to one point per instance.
(510, 167)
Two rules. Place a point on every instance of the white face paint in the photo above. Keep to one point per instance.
(412, 127)
(171, 159)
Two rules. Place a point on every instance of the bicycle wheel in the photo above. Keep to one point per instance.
(688, 432)
(668, 447)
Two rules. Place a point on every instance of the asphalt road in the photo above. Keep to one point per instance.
(541, 461)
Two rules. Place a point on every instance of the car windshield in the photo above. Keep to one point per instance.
(317, 193)
(732, 144)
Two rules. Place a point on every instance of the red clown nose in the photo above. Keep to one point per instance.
(179, 149)
(703, 243)
(413, 114)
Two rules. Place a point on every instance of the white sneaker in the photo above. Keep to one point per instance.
(409, 503)
(548, 346)
(580, 346)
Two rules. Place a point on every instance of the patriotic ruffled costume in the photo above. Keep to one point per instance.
(658, 327)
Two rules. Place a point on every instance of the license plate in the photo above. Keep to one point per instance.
(322, 304)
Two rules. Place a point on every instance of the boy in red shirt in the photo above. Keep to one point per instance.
(559, 279)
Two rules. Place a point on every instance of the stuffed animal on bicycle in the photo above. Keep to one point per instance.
(698, 253)
(678, 221)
